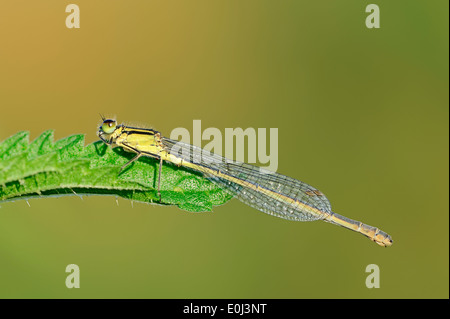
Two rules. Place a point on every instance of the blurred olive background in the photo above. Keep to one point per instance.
(362, 115)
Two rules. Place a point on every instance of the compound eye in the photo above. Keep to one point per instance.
(108, 126)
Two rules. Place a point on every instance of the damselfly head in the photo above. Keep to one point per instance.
(108, 126)
(106, 129)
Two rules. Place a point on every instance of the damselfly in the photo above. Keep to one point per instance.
(269, 192)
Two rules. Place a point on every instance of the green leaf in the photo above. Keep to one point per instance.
(66, 167)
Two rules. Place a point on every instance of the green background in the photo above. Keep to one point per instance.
(362, 114)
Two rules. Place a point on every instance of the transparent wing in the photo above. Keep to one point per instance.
(283, 195)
